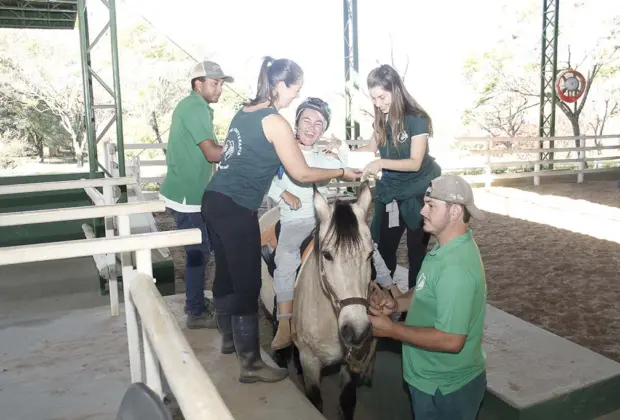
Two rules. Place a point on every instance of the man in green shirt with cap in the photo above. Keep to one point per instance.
(192, 148)
(443, 359)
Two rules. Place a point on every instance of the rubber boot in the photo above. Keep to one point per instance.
(223, 312)
(247, 345)
(283, 337)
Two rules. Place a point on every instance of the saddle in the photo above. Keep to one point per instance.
(269, 246)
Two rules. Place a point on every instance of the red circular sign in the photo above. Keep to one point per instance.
(570, 85)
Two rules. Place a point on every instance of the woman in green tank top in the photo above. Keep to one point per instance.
(406, 166)
(259, 141)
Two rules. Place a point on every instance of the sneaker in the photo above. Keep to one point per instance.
(208, 307)
(205, 320)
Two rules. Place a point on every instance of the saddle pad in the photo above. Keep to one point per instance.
(268, 236)
(306, 252)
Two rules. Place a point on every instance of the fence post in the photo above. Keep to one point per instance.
(151, 364)
(136, 165)
(581, 153)
(133, 329)
(537, 165)
(487, 164)
(108, 200)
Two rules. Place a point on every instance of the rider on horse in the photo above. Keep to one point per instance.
(297, 217)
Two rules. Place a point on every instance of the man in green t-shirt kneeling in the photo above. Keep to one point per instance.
(443, 359)
(192, 147)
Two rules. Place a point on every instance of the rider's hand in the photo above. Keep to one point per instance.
(292, 200)
(373, 168)
(351, 174)
(334, 143)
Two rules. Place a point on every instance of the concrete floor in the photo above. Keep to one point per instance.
(73, 364)
(63, 357)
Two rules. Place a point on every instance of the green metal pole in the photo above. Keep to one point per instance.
(543, 60)
(120, 143)
(87, 87)
(356, 66)
(347, 71)
(554, 78)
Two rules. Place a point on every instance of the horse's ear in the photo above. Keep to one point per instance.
(364, 198)
(321, 206)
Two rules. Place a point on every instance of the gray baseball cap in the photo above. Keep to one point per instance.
(454, 189)
(210, 70)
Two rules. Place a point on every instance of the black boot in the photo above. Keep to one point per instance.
(223, 311)
(253, 368)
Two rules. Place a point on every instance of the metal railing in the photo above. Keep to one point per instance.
(155, 340)
(517, 163)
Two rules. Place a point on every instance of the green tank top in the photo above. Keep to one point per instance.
(249, 161)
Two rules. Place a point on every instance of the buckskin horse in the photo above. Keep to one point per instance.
(330, 322)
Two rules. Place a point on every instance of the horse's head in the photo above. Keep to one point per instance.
(344, 247)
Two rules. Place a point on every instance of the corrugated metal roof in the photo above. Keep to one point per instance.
(38, 14)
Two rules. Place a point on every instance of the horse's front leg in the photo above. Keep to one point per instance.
(348, 393)
(311, 367)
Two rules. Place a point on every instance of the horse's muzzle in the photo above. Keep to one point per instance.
(353, 338)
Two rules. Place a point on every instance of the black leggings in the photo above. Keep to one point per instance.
(389, 238)
(235, 237)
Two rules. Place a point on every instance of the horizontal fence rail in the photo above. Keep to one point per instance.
(78, 213)
(526, 162)
(87, 247)
(65, 185)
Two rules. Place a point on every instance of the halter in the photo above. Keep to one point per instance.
(358, 359)
(340, 304)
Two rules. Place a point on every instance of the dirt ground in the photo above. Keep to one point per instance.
(564, 282)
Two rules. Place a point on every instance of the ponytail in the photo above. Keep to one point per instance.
(272, 72)
(263, 88)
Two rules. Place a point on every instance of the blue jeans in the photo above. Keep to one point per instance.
(196, 260)
(462, 404)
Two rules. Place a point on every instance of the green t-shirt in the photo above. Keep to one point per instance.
(249, 161)
(450, 295)
(188, 171)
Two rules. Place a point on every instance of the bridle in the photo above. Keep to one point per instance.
(340, 304)
(358, 359)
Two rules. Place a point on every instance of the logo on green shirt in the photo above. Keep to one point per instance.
(233, 146)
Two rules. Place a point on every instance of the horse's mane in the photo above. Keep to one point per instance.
(343, 226)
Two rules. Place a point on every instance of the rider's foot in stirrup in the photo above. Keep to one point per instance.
(283, 337)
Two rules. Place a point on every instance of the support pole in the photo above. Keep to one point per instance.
(120, 142)
(351, 67)
(88, 74)
(87, 83)
(548, 73)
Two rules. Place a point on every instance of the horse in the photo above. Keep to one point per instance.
(330, 322)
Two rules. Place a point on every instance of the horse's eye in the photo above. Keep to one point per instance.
(328, 256)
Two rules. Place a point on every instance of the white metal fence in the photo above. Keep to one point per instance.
(155, 340)
(478, 159)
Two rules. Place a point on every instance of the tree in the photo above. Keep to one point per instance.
(499, 110)
(505, 97)
(30, 123)
(34, 78)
